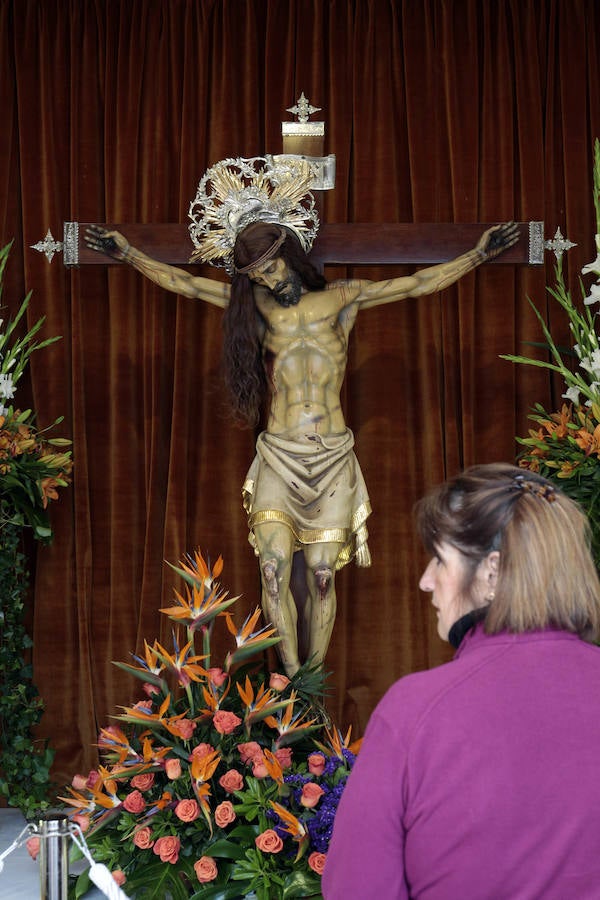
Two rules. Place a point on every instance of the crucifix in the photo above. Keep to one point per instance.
(356, 244)
(286, 336)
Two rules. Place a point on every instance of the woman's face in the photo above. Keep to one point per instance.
(444, 579)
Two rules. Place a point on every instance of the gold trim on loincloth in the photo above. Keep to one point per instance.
(354, 539)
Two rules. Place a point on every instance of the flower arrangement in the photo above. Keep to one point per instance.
(33, 467)
(565, 444)
(222, 782)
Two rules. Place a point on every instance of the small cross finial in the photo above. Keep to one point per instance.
(303, 109)
(559, 244)
(48, 246)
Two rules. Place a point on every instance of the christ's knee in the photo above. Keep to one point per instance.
(270, 579)
(323, 580)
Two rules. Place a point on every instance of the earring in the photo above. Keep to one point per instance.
(490, 596)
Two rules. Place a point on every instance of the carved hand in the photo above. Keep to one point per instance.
(497, 239)
(112, 243)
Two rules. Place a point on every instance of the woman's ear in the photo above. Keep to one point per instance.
(492, 564)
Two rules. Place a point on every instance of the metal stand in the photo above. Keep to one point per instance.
(54, 857)
(54, 831)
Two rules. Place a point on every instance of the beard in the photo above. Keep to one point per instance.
(288, 293)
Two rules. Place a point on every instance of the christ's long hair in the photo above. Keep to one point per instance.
(244, 370)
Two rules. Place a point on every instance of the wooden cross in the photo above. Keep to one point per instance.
(352, 244)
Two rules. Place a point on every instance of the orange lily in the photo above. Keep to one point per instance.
(589, 442)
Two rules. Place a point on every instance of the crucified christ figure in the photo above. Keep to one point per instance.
(286, 340)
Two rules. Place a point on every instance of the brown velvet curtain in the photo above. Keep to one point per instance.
(437, 111)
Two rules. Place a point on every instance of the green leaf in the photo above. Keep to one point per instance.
(83, 884)
(225, 849)
(302, 884)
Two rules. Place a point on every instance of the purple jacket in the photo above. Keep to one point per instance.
(479, 779)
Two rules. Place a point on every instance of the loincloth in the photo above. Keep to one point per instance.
(317, 490)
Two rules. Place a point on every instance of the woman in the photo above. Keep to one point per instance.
(481, 778)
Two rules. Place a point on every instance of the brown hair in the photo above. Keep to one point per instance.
(546, 574)
(244, 372)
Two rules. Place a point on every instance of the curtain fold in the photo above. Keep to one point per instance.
(437, 111)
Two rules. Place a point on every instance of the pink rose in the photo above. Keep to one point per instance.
(225, 722)
(231, 781)
(284, 757)
(224, 814)
(317, 862)
(167, 848)
(150, 689)
(143, 782)
(187, 810)
(144, 705)
(81, 783)
(259, 768)
(217, 676)
(269, 841)
(278, 682)
(311, 794)
(119, 876)
(173, 769)
(82, 821)
(316, 763)
(184, 728)
(92, 779)
(33, 846)
(206, 869)
(134, 802)
(249, 751)
(143, 838)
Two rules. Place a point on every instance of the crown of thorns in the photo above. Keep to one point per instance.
(234, 193)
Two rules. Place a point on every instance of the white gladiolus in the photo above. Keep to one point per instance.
(7, 388)
(572, 394)
(592, 267)
(594, 295)
(591, 364)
